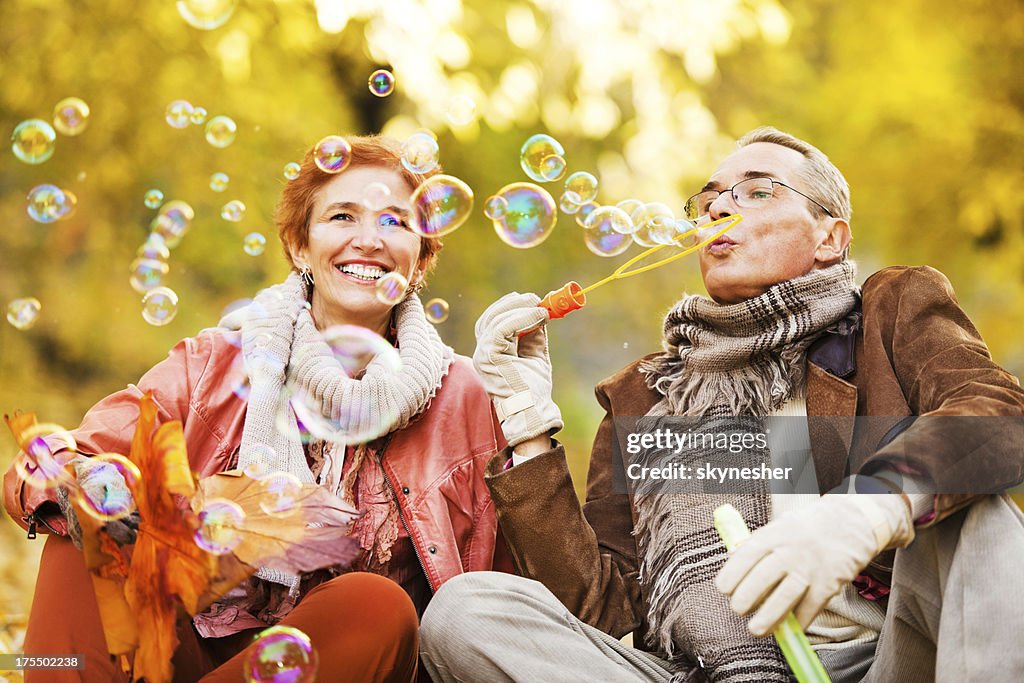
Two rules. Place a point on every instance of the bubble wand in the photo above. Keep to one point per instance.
(572, 296)
(791, 638)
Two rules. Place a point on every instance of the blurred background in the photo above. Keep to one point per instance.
(918, 103)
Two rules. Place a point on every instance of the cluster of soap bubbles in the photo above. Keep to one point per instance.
(281, 654)
(34, 140)
(220, 130)
(150, 267)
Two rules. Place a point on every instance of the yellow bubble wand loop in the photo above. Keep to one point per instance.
(572, 296)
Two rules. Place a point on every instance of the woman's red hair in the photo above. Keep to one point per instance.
(295, 207)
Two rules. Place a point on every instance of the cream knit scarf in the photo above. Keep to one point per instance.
(728, 365)
(281, 347)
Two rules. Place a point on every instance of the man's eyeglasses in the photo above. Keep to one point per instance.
(748, 194)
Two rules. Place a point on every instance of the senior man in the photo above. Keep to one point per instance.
(918, 581)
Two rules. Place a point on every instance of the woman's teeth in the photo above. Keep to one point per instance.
(368, 273)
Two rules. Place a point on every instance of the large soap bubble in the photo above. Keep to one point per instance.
(529, 216)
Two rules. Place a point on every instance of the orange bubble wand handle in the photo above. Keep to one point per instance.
(571, 296)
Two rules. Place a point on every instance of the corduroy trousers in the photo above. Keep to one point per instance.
(363, 626)
(955, 614)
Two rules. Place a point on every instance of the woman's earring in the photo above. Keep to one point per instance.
(307, 276)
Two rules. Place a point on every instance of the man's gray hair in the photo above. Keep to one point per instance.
(823, 180)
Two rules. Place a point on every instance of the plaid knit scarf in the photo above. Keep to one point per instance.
(729, 365)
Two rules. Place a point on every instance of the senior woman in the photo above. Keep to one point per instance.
(425, 513)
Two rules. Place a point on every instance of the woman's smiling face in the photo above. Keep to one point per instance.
(359, 232)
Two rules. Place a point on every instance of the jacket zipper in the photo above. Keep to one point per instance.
(416, 551)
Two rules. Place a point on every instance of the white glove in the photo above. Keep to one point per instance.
(516, 370)
(104, 485)
(802, 559)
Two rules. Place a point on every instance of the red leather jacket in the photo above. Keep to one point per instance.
(435, 465)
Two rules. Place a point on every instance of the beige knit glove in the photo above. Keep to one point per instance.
(516, 370)
(802, 559)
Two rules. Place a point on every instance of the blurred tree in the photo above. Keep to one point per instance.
(918, 103)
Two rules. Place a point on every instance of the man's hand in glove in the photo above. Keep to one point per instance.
(802, 559)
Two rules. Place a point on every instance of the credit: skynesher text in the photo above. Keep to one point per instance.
(708, 472)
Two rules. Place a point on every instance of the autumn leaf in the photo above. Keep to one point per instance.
(316, 533)
(167, 568)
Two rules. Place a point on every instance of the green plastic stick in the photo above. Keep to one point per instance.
(791, 638)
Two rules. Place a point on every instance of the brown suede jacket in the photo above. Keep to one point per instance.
(916, 353)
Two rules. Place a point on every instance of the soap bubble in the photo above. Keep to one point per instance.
(206, 15)
(381, 82)
(377, 196)
(583, 184)
(654, 224)
(71, 116)
(71, 205)
(529, 218)
(604, 235)
(629, 206)
(159, 306)
(146, 274)
(173, 221)
(391, 288)
(436, 310)
(154, 248)
(198, 117)
(686, 233)
(23, 313)
(260, 455)
(45, 451)
(495, 206)
(440, 205)
(542, 158)
(153, 199)
(280, 493)
(221, 524)
(583, 213)
(117, 503)
(48, 203)
(254, 243)
(179, 114)
(233, 211)
(461, 110)
(291, 170)
(33, 141)
(569, 202)
(220, 131)
(552, 168)
(420, 152)
(281, 654)
(332, 154)
(356, 349)
(219, 182)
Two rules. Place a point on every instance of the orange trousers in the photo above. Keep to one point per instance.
(363, 626)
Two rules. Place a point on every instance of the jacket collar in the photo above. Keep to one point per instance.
(832, 404)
